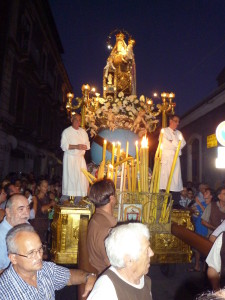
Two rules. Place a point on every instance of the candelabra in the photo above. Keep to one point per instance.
(165, 108)
(82, 103)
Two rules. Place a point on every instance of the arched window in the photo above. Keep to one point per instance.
(194, 158)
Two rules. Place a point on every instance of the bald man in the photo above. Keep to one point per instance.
(74, 143)
(17, 212)
(28, 277)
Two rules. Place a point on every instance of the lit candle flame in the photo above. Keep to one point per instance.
(144, 142)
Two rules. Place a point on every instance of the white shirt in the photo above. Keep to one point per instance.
(219, 229)
(213, 259)
(104, 288)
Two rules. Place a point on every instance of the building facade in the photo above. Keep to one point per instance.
(198, 127)
(33, 88)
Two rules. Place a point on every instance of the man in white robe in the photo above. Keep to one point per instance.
(74, 143)
(170, 142)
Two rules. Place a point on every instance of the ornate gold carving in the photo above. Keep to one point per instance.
(65, 233)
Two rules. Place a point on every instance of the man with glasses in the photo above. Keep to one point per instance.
(17, 212)
(171, 138)
(28, 277)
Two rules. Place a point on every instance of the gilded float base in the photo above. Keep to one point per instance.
(65, 232)
(168, 248)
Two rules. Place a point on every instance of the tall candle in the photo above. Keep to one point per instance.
(121, 190)
(159, 170)
(110, 171)
(104, 151)
(118, 151)
(113, 152)
(173, 165)
(125, 167)
(138, 170)
(160, 140)
(128, 178)
(144, 163)
(132, 176)
(117, 160)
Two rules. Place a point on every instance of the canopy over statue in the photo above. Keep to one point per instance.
(120, 71)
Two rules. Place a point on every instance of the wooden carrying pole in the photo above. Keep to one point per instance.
(191, 238)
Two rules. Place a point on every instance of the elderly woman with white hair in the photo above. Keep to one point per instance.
(129, 253)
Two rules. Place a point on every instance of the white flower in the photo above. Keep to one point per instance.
(128, 108)
(131, 98)
(125, 102)
(98, 111)
(133, 109)
(101, 100)
(115, 110)
(121, 95)
(119, 104)
(107, 104)
(136, 101)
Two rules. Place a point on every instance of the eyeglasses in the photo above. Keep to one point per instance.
(33, 253)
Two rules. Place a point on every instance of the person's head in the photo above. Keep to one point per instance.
(102, 192)
(76, 121)
(202, 187)
(43, 186)
(184, 192)
(11, 189)
(219, 295)
(18, 185)
(17, 210)
(209, 195)
(127, 246)
(190, 194)
(3, 195)
(25, 249)
(5, 182)
(221, 194)
(174, 121)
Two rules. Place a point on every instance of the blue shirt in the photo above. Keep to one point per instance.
(4, 260)
(50, 278)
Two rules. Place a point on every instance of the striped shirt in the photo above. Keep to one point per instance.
(50, 278)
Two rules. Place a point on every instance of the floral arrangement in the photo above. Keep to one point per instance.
(125, 112)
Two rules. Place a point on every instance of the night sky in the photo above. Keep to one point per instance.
(180, 45)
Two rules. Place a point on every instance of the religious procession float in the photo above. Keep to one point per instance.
(121, 125)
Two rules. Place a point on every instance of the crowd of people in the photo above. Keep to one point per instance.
(42, 194)
(25, 201)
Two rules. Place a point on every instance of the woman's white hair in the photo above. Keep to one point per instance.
(125, 240)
